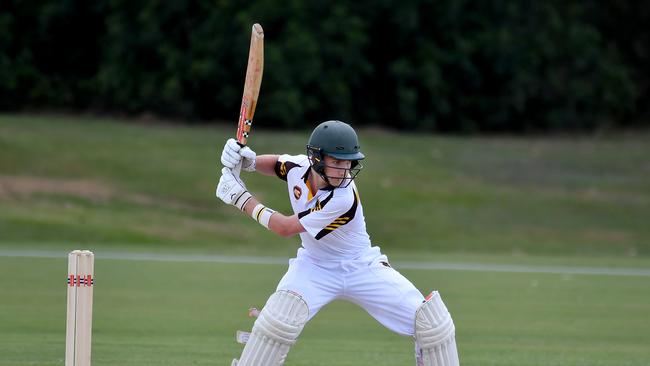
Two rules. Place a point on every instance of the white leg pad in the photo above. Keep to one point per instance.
(435, 334)
(275, 330)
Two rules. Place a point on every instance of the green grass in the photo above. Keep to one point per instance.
(169, 313)
(150, 187)
(71, 183)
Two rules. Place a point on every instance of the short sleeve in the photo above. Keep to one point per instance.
(287, 162)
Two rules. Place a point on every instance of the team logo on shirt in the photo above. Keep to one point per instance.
(297, 192)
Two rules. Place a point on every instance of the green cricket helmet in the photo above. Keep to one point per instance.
(338, 140)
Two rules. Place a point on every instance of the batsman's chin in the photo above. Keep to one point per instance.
(340, 182)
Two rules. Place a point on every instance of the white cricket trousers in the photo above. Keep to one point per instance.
(369, 282)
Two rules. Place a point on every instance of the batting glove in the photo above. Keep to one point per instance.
(233, 154)
(231, 190)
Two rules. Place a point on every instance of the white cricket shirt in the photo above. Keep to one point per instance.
(333, 218)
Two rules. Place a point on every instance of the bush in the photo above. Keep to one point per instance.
(451, 66)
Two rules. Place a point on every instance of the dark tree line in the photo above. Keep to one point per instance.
(453, 66)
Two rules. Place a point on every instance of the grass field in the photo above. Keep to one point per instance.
(68, 183)
(68, 180)
(173, 313)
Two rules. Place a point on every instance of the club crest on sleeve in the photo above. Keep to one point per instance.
(297, 192)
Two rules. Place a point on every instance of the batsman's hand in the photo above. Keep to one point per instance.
(232, 190)
(233, 153)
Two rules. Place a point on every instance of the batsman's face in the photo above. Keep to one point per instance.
(336, 170)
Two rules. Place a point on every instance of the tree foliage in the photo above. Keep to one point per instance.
(453, 66)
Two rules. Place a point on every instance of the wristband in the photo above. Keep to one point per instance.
(262, 214)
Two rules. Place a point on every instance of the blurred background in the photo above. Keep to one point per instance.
(435, 66)
(507, 147)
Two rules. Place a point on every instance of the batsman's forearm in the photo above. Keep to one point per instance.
(265, 164)
(280, 224)
(285, 225)
(250, 205)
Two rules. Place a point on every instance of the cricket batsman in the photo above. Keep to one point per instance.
(336, 259)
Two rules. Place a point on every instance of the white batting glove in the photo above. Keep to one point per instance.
(248, 159)
(230, 156)
(232, 190)
(233, 153)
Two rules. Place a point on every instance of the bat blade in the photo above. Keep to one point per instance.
(252, 84)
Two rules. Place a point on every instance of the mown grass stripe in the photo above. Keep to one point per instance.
(459, 266)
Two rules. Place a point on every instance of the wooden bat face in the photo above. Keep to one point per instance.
(252, 85)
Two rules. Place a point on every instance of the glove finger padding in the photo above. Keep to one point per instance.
(233, 145)
(230, 161)
(232, 190)
(230, 156)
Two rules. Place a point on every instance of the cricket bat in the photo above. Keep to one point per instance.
(252, 85)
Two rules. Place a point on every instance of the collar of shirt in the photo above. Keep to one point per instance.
(319, 192)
